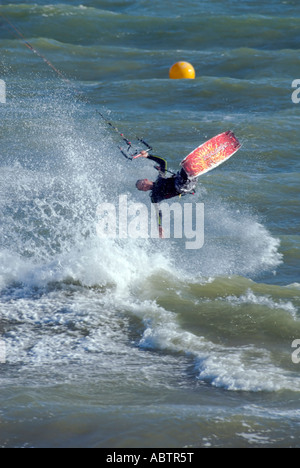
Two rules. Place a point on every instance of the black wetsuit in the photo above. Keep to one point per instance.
(164, 188)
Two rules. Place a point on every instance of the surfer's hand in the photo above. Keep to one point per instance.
(142, 154)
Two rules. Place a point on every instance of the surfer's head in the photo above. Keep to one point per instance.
(144, 185)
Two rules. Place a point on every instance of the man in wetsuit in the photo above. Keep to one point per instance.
(164, 188)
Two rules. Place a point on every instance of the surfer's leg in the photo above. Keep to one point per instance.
(159, 222)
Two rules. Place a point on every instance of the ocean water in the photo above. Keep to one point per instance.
(123, 343)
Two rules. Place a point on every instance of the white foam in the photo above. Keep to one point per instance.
(13, 268)
(236, 243)
(255, 438)
(245, 369)
(294, 285)
(263, 300)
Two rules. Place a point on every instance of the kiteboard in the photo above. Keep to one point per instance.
(210, 154)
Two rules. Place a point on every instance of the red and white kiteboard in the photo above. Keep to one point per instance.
(210, 154)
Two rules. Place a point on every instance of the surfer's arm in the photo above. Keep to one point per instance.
(162, 162)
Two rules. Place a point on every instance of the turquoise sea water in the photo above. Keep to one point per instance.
(133, 342)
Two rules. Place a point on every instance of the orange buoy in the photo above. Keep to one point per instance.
(182, 70)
